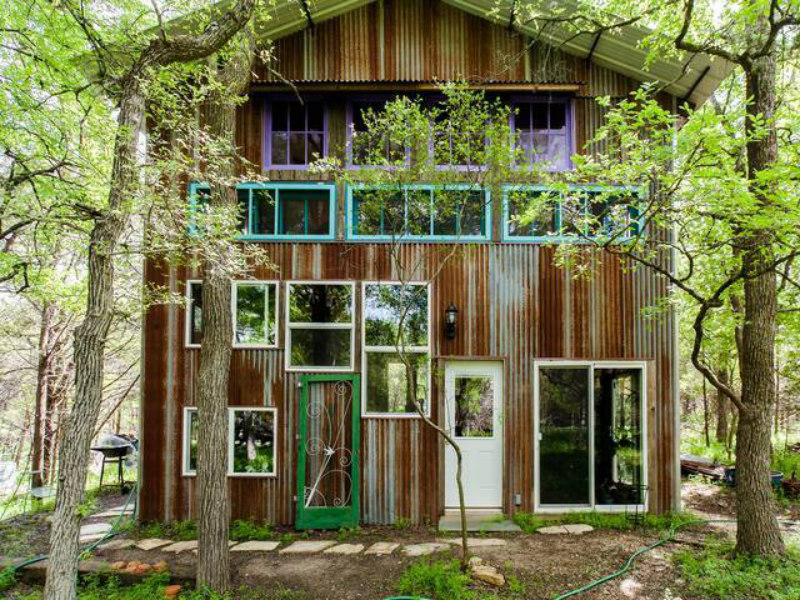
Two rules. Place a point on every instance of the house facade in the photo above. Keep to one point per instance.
(562, 391)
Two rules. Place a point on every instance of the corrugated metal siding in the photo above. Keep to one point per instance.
(514, 304)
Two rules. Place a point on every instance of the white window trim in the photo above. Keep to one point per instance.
(274, 411)
(289, 326)
(390, 350)
(185, 471)
(187, 320)
(234, 301)
(592, 506)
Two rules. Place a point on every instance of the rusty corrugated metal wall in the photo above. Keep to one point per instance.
(515, 303)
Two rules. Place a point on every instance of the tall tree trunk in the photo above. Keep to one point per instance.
(90, 335)
(705, 415)
(757, 531)
(43, 410)
(723, 408)
(213, 564)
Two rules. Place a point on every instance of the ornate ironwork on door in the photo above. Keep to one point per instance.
(327, 467)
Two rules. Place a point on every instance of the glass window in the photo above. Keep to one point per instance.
(194, 313)
(255, 316)
(542, 132)
(454, 146)
(189, 441)
(251, 448)
(396, 347)
(419, 212)
(297, 134)
(474, 406)
(532, 213)
(371, 148)
(319, 326)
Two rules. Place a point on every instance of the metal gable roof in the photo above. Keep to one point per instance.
(694, 78)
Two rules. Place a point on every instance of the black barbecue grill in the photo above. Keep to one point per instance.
(116, 449)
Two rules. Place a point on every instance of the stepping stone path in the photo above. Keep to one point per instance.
(423, 549)
(474, 542)
(94, 531)
(382, 548)
(345, 549)
(152, 544)
(307, 547)
(566, 529)
(180, 547)
(118, 544)
(114, 512)
(256, 547)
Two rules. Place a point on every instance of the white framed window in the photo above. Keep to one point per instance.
(590, 432)
(252, 441)
(255, 314)
(189, 458)
(396, 321)
(320, 332)
(193, 311)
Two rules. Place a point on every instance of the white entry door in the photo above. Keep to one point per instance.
(474, 404)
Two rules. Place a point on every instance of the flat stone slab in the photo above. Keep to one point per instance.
(345, 549)
(577, 529)
(152, 544)
(474, 542)
(256, 547)
(85, 539)
(181, 546)
(478, 522)
(114, 512)
(231, 544)
(382, 548)
(307, 547)
(95, 528)
(424, 549)
(117, 544)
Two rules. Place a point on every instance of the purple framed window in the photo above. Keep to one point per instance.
(365, 149)
(295, 133)
(543, 129)
(451, 147)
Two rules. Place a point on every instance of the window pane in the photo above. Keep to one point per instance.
(279, 154)
(243, 198)
(472, 214)
(539, 115)
(558, 116)
(255, 321)
(320, 347)
(540, 145)
(253, 441)
(297, 117)
(192, 441)
(522, 118)
(314, 146)
(367, 212)
(474, 398)
(564, 435)
(386, 306)
(297, 148)
(419, 213)
(279, 116)
(316, 116)
(618, 454)
(447, 205)
(265, 212)
(532, 214)
(393, 213)
(557, 151)
(390, 382)
(318, 212)
(311, 303)
(293, 212)
(195, 310)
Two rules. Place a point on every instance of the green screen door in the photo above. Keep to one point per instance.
(327, 467)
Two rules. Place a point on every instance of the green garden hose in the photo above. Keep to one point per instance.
(111, 533)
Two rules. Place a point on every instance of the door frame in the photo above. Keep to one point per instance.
(500, 365)
(328, 517)
(592, 506)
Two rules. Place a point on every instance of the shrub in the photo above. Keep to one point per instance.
(715, 573)
(247, 531)
(438, 580)
(7, 579)
(529, 522)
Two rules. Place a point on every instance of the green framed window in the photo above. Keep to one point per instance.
(255, 310)
(395, 348)
(193, 311)
(542, 214)
(252, 436)
(320, 330)
(281, 211)
(189, 458)
(418, 212)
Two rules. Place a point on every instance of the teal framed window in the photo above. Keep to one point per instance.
(534, 213)
(280, 211)
(418, 212)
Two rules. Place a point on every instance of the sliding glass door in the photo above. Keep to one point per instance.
(590, 435)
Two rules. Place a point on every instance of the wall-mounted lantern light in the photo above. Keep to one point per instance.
(450, 316)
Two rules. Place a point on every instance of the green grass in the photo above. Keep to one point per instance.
(182, 531)
(435, 579)
(250, 531)
(715, 573)
(529, 522)
(401, 524)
